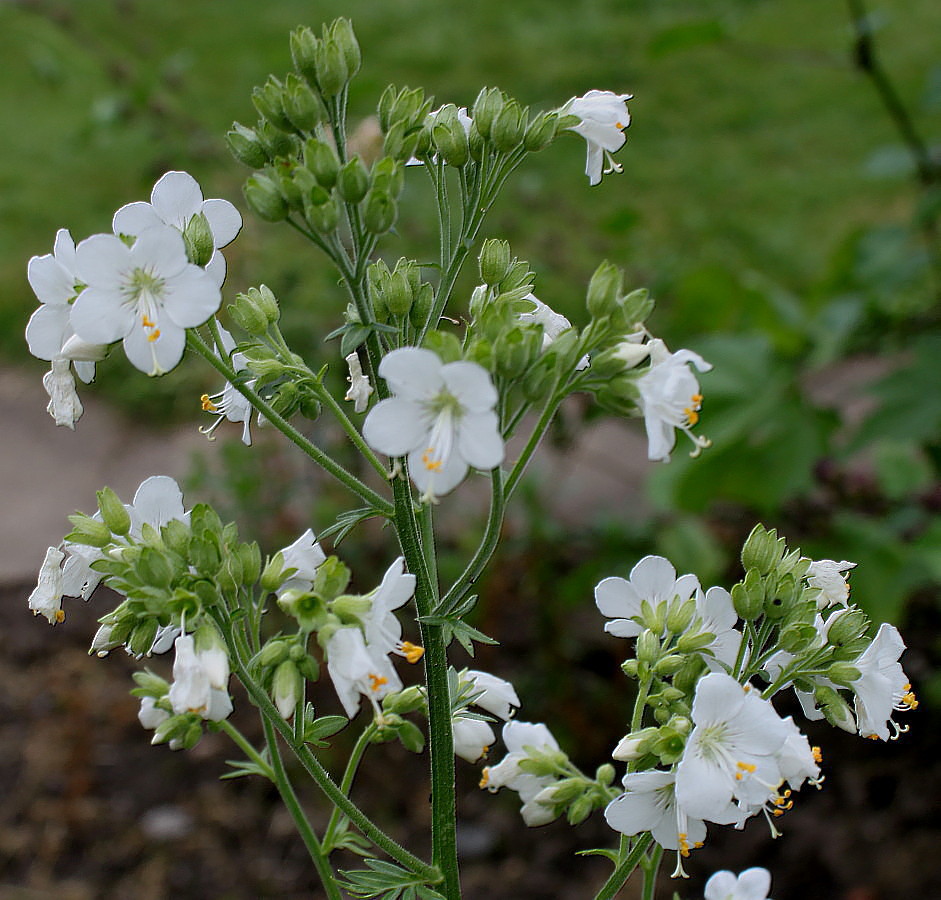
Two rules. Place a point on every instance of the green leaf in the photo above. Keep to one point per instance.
(243, 767)
(315, 731)
(386, 880)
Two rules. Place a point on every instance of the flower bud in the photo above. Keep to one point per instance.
(302, 107)
(680, 615)
(449, 137)
(353, 180)
(197, 236)
(421, 306)
(331, 578)
(244, 145)
(400, 141)
(693, 641)
(273, 653)
(273, 575)
(669, 665)
(323, 218)
(309, 668)
(604, 774)
(508, 127)
(580, 810)
(269, 101)
(142, 637)
(494, 261)
(264, 198)
(351, 609)
(286, 687)
(88, 531)
(321, 159)
(398, 293)
(797, 637)
(835, 708)
(332, 70)
(685, 679)
(635, 745)
(278, 144)
(341, 31)
(648, 647)
(842, 673)
(748, 600)
(380, 212)
(603, 290)
(113, 512)
(303, 53)
(487, 107)
(404, 702)
(629, 668)
(541, 132)
(246, 314)
(762, 550)
(846, 626)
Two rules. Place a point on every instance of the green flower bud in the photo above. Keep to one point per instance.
(303, 53)
(680, 615)
(580, 810)
(332, 71)
(693, 641)
(604, 774)
(169, 729)
(762, 550)
(353, 180)
(273, 653)
(244, 145)
(142, 637)
(269, 101)
(749, 601)
(685, 680)
(323, 218)
(246, 314)
(629, 668)
(508, 127)
(88, 531)
(149, 685)
(669, 665)
(843, 673)
(404, 702)
(341, 31)
(604, 290)
(273, 575)
(331, 578)
(302, 107)
(835, 708)
(541, 132)
(292, 193)
(400, 141)
(321, 159)
(515, 351)
(654, 618)
(797, 637)
(113, 512)
(309, 668)
(286, 688)
(449, 137)
(475, 144)
(278, 144)
(494, 261)
(845, 627)
(380, 212)
(635, 745)
(421, 306)
(648, 647)
(398, 293)
(487, 107)
(264, 198)
(197, 236)
(351, 609)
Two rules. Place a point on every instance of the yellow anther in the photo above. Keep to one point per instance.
(872, 737)
(376, 682)
(153, 335)
(909, 701)
(485, 776)
(60, 615)
(412, 652)
(147, 323)
(818, 756)
(432, 465)
(692, 416)
(208, 405)
(697, 399)
(748, 767)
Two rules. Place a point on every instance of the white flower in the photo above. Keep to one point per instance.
(229, 403)
(522, 739)
(830, 577)
(192, 690)
(752, 884)
(716, 614)
(441, 416)
(731, 754)
(381, 626)
(147, 295)
(358, 670)
(495, 695)
(46, 598)
(157, 501)
(604, 116)
(472, 737)
(649, 804)
(305, 555)
(174, 200)
(360, 388)
(553, 324)
(50, 335)
(670, 398)
(150, 715)
(882, 687)
(653, 579)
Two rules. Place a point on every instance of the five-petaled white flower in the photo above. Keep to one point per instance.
(882, 687)
(522, 739)
(670, 398)
(752, 884)
(831, 579)
(441, 417)
(360, 388)
(357, 669)
(604, 116)
(175, 199)
(147, 294)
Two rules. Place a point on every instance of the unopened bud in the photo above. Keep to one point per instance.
(113, 512)
(603, 290)
(494, 261)
(680, 615)
(264, 198)
(487, 107)
(604, 774)
(379, 213)
(302, 106)
(748, 600)
(321, 159)
(635, 745)
(843, 673)
(762, 550)
(342, 33)
(541, 132)
(648, 647)
(286, 688)
(332, 70)
(244, 145)
(324, 217)
(88, 531)
(508, 127)
(303, 53)
(835, 708)
(248, 316)
(197, 236)
(269, 101)
(142, 637)
(353, 180)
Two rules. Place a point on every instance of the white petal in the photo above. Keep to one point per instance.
(615, 598)
(412, 372)
(176, 197)
(102, 260)
(157, 501)
(471, 384)
(158, 356)
(192, 297)
(225, 221)
(479, 440)
(396, 426)
(46, 329)
(100, 316)
(216, 268)
(51, 282)
(161, 250)
(134, 218)
(754, 884)
(721, 886)
(654, 579)
(436, 482)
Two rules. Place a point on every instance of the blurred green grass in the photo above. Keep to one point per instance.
(748, 151)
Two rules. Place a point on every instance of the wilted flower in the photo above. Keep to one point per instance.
(360, 388)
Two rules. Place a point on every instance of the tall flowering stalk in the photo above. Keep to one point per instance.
(440, 401)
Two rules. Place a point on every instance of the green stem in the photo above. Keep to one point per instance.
(352, 432)
(292, 434)
(346, 784)
(286, 790)
(440, 735)
(426, 520)
(535, 437)
(624, 869)
(245, 746)
(651, 867)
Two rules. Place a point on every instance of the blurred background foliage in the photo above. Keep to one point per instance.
(782, 211)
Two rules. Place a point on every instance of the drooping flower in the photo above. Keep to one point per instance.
(49, 332)
(441, 417)
(305, 555)
(229, 404)
(495, 695)
(830, 577)
(882, 687)
(604, 116)
(649, 804)
(359, 670)
(670, 398)
(193, 690)
(146, 295)
(46, 598)
(381, 626)
(752, 884)
(653, 579)
(175, 200)
(472, 737)
(522, 740)
(360, 388)
(730, 760)
(553, 324)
